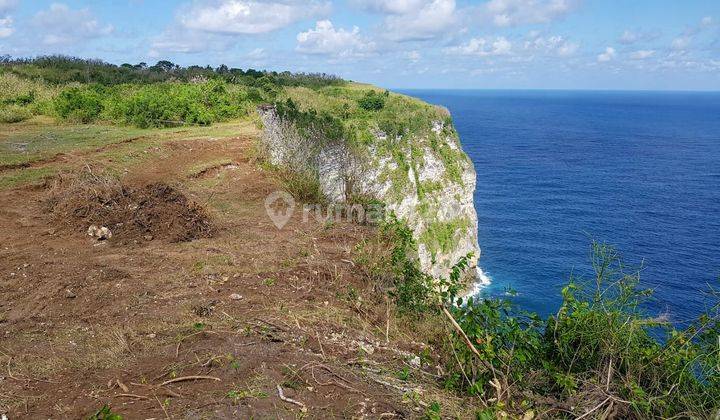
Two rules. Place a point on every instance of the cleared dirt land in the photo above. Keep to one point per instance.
(198, 306)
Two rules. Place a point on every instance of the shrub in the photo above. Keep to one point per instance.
(598, 354)
(373, 101)
(170, 104)
(390, 259)
(304, 187)
(601, 353)
(311, 124)
(14, 114)
(81, 104)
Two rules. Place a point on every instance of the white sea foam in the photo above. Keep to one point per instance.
(482, 280)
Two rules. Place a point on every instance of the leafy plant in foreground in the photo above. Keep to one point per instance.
(599, 355)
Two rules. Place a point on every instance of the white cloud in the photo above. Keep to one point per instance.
(60, 24)
(413, 56)
(521, 12)
(551, 45)
(6, 27)
(706, 21)
(642, 54)
(180, 40)
(327, 40)
(681, 42)
(395, 7)
(628, 37)
(6, 21)
(7, 6)
(608, 55)
(432, 19)
(257, 54)
(483, 47)
(248, 16)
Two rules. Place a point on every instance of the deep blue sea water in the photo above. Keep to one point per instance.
(639, 170)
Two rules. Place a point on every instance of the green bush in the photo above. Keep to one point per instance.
(373, 101)
(14, 114)
(81, 104)
(322, 126)
(170, 104)
(390, 260)
(601, 353)
(599, 349)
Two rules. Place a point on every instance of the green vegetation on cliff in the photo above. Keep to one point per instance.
(600, 356)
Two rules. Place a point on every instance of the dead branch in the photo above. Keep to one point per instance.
(282, 396)
(190, 378)
(138, 397)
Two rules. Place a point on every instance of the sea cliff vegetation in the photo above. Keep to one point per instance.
(602, 355)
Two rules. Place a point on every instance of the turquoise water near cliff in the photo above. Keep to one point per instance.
(639, 170)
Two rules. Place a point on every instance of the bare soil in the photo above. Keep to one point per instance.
(198, 306)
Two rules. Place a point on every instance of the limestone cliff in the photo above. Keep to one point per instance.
(424, 177)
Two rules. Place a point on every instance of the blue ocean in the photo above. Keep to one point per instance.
(557, 169)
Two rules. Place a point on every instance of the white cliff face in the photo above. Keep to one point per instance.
(426, 181)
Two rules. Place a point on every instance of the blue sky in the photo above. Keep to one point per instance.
(539, 44)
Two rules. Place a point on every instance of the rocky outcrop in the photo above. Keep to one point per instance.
(424, 179)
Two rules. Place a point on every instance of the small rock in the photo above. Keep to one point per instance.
(104, 233)
(69, 294)
(148, 238)
(101, 233)
(235, 296)
(415, 362)
(367, 348)
(151, 336)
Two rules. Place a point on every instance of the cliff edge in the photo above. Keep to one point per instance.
(362, 144)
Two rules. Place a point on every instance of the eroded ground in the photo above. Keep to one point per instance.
(246, 309)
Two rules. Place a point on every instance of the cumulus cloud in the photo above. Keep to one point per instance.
(556, 45)
(325, 39)
(6, 21)
(629, 37)
(681, 42)
(608, 55)
(432, 19)
(395, 7)
(248, 16)
(642, 54)
(7, 6)
(483, 47)
(6, 27)
(413, 56)
(522, 12)
(59, 24)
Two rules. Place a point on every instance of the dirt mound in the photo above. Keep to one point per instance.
(134, 213)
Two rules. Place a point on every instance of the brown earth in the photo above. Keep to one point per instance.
(195, 282)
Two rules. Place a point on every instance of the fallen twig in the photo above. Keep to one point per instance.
(317, 334)
(139, 397)
(190, 378)
(122, 386)
(163, 407)
(282, 396)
